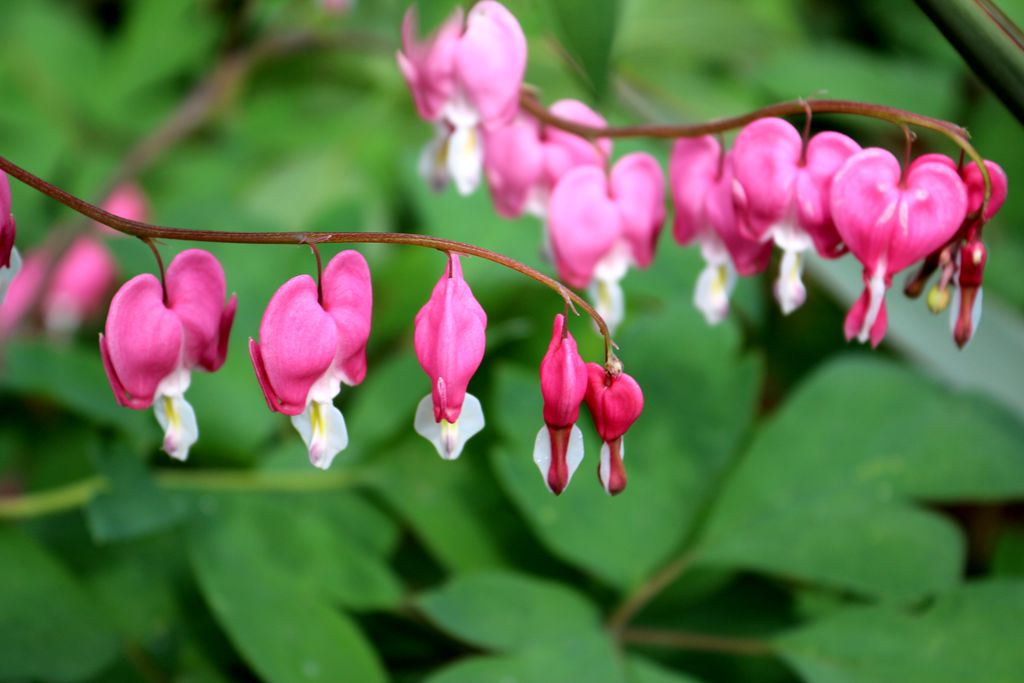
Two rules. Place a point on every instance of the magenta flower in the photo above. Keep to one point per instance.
(449, 341)
(82, 280)
(889, 221)
(524, 160)
(24, 291)
(311, 344)
(10, 260)
(465, 79)
(783, 189)
(615, 402)
(701, 180)
(600, 225)
(965, 313)
(152, 343)
(558, 449)
(127, 201)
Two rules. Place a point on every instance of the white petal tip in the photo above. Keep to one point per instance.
(178, 420)
(557, 480)
(449, 438)
(322, 428)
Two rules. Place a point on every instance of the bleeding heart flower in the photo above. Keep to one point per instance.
(615, 402)
(82, 280)
(449, 341)
(10, 260)
(311, 341)
(701, 180)
(466, 78)
(601, 225)
(784, 193)
(890, 221)
(153, 342)
(24, 291)
(558, 449)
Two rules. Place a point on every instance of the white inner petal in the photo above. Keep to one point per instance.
(714, 286)
(542, 453)
(7, 274)
(178, 420)
(876, 297)
(322, 428)
(604, 469)
(465, 158)
(608, 300)
(449, 438)
(433, 162)
(790, 237)
(789, 286)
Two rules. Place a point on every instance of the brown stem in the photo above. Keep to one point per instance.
(160, 264)
(696, 641)
(147, 231)
(647, 591)
(528, 102)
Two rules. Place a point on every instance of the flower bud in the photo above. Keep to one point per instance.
(615, 402)
(966, 310)
(558, 449)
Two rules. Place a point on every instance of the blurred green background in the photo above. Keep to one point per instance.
(798, 509)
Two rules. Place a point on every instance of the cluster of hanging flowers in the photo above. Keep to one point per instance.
(822, 194)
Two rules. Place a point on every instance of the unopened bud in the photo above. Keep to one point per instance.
(938, 299)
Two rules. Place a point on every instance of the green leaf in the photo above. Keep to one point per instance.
(699, 400)
(589, 657)
(285, 631)
(587, 30)
(972, 634)
(507, 612)
(132, 504)
(640, 670)
(49, 627)
(849, 450)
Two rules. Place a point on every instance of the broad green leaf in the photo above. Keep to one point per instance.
(283, 629)
(851, 449)
(971, 634)
(699, 400)
(50, 628)
(1009, 554)
(508, 612)
(587, 30)
(640, 670)
(589, 656)
(132, 504)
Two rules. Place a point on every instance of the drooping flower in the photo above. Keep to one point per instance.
(449, 341)
(965, 314)
(525, 159)
(82, 280)
(600, 225)
(126, 201)
(310, 344)
(558, 449)
(701, 180)
(465, 79)
(783, 189)
(615, 401)
(10, 259)
(889, 220)
(154, 339)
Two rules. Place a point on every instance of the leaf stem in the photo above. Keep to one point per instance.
(647, 591)
(685, 640)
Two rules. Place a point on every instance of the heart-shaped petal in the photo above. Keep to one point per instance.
(348, 299)
(564, 151)
(428, 66)
(563, 378)
(826, 153)
(692, 171)
(81, 283)
(490, 62)
(143, 341)
(638, 188)
(298, 343)
(584, 223)
(976, 188)
(615, 401)
(195, 291)
(514, 163)
(765, 161)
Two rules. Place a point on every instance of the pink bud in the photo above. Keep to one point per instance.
(966, 312)
(976, 188)
(126, 201)
(449, 341)
(615, 402)
(889, 221)
(81, 283)
(151, 344)
(563, 384)
(309, 346)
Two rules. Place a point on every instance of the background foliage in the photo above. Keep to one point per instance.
(798, 510)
